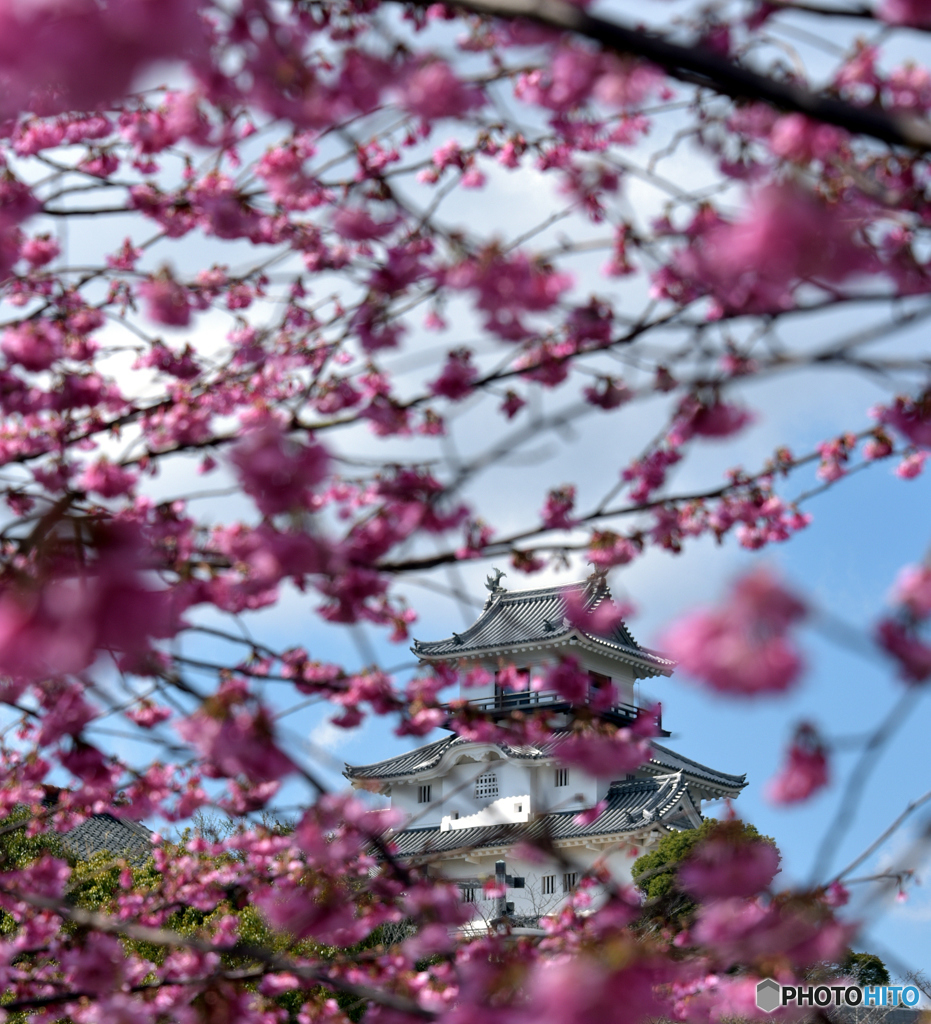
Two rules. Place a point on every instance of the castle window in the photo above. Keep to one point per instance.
(562, 776)
(486, 786)
(569, 880)
(549, 885)
(423, 794)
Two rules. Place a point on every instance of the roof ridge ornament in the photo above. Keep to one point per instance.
(493, 581)
(598, 579)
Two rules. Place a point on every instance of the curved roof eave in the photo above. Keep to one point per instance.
(649, 663)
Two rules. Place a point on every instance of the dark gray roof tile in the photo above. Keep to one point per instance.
(425, 758)
(513, 620)
(104, 832)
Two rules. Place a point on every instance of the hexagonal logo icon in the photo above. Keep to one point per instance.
(768, 994)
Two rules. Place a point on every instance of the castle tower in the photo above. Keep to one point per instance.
(468, 803)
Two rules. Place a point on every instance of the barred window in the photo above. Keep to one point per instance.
(562, 776)
(423, 794)
(549, 885)
(468, 894)
(569, 880)
(486, 785)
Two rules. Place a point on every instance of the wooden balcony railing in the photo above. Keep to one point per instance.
(532, 699)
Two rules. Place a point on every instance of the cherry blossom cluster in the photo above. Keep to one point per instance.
(260, 337)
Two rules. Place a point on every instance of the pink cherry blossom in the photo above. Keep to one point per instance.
(911, 417)
(277, 472)
(911, 466)
(569, 680)
(720, 868)
(805, 771)
(711, 419)
(357, 224)
(559, 503)
(167, 301)
(605, 754)
(107, 479)
(458, 376)
(743, 647)
(911, 652)
(786, 235)
(40, 250)
(432, 91)
(905, 12)
(912, 590)
(236, 740)
(35, 345)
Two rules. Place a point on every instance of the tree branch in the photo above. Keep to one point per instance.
(703, 68)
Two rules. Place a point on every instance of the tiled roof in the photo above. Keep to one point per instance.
(537, 617)
(425, 758)
(632, 806)
(665, 760)
(118, 836)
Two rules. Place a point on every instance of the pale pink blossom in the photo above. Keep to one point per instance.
(591, 814)
(911, 466)
(149, 715)
(599, 615)
(912, 590)
(798, 138)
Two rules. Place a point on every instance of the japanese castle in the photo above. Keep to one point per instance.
(469, 803)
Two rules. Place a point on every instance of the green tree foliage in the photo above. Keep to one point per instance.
(864, 968)
(654, 873)
(867, 968)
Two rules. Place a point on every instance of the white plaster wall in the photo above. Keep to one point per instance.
(454, 793)
(532, 900)
(404, 798)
